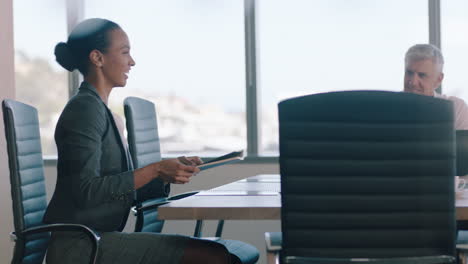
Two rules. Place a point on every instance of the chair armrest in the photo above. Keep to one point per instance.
(273, 240)
(93, 236)
(408, 260)
(151, 204)
(13, 237)
(155, 203)
(182, 195)
(61, 227)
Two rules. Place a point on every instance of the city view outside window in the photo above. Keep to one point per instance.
(39, 80)
(454, 25)
(190, 62)
(307, 47)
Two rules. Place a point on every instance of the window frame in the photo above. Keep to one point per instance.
(75, 13)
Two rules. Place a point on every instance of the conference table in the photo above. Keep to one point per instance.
(253, 198)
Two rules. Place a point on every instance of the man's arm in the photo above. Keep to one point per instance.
(461, 113)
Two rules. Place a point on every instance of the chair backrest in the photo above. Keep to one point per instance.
(28, 191)
(462, 152)
(367, 174)
(143, 142)
(142, 131)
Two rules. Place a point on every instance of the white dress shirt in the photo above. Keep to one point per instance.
(460, 110)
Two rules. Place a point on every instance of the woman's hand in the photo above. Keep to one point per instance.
(194, 160)
(177, 171)
(174, 171)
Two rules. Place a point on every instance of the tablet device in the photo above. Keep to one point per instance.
(224, 159)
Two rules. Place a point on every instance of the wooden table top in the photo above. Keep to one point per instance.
(254, 198)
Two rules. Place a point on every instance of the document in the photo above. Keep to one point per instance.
(225, 159)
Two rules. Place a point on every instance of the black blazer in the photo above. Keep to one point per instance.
(95, 184)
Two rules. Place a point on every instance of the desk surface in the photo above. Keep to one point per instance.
(254, 198)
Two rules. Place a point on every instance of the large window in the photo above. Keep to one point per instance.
(454, 27)
(190, 59)
(310, 47)
(40, 81)
(190, 62)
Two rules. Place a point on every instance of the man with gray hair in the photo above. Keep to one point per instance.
(424, 65)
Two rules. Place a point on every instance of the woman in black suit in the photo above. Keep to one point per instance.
(96, 183)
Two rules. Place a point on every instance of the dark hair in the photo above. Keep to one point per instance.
(91, 34)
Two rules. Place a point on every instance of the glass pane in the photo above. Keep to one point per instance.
(454, 25)
(40, 81)
(190, 62)
(309, 47)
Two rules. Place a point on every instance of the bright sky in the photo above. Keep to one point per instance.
(196, 48)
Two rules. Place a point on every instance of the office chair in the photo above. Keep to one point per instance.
(367, 176)
(462, 169)
(462, 152)
(144, 146)
(28, 190)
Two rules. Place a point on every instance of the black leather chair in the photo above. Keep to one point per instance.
(28, 190)
(143, 142)
(462, 169)
(144, 147)
(367, 176)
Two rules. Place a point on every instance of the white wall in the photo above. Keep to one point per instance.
(7, 90)
(248, 231)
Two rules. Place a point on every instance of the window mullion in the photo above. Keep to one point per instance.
(252, 93)
(434, 27)
(75, 14)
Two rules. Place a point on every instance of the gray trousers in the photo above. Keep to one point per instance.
(117, 247)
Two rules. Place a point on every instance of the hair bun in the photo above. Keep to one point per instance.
(64, 56)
